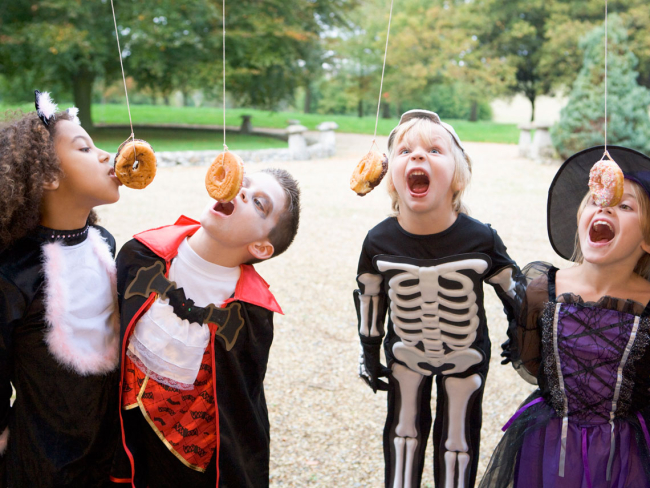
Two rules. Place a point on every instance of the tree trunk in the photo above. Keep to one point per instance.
(166, 99)
(385, 110)
(473, 113)
(186, 98)
(532, 104)
(82, 87)
(360, 108)
(307, 98)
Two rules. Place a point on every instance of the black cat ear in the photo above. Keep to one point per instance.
(45, 107)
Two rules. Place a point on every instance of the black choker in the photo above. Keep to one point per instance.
(66, 237)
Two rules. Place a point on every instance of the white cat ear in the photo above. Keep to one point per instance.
(74, 111)
(45, 107)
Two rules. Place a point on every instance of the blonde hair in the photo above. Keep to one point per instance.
(422, 129)
(642, 267)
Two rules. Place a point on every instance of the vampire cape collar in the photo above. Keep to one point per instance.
(164, 242)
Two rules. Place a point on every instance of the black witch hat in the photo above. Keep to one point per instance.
(571, 184)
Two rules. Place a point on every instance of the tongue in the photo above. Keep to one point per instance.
(419, 184)
(601, 233)
(225, 207)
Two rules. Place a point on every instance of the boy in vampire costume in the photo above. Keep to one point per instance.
(197, 326)
(426, 266)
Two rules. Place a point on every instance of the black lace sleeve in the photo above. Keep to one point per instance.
(524, 332)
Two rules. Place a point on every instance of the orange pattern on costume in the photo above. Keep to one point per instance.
(184, 418)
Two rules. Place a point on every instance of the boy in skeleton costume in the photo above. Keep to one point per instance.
(424, 268)
(197, 326)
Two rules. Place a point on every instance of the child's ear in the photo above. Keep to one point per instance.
(646, 247)
(261, 249)
(51, 185)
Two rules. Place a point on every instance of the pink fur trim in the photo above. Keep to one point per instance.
(59, 336)
(4, 439)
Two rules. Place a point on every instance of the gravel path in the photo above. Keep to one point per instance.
(326, 424)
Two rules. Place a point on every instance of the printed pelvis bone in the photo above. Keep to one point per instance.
(418, 320)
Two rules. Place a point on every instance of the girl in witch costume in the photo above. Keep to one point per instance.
(582, 335)
(59, 329)
(427, 266)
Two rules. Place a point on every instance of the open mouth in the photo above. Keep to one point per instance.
(418, 182)
(111, 173)
(601, 232)
(224, 208)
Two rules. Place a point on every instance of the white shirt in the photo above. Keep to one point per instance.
(168, 348)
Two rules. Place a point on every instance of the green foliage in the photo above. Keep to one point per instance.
(582, 121)
(167, 45)
(450, 102)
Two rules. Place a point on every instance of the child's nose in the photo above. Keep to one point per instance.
(417, 155)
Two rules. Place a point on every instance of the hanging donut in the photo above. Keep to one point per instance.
(135, 168)
(369, 173)
(225, 176)
(606, 183)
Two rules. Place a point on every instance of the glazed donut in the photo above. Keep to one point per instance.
(130, 174)
(606, 183)
(368, 173)
(225, 176)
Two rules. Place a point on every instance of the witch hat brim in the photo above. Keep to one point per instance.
(571, 184)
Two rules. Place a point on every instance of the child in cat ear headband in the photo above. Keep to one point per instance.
(59, 331)
(583, 336)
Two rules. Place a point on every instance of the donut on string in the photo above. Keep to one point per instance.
(606, 183)
(369, 173)
(225, 175)
(135, 168)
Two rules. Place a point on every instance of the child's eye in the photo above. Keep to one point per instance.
(625, 206)
(404, 151)
(258, 203)
(435, 151)
(85, 149)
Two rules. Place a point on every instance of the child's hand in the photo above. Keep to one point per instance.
(370, 367)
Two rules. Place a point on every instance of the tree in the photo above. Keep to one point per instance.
(582, 120)
(167, 44)
(516, 30)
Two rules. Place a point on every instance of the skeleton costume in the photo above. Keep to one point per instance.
(192, 399)
(587, 424)
(431, 288)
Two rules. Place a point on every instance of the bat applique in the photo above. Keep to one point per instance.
(229, 320)
(148, 280)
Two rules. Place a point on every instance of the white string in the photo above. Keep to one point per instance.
(225, 148)
(128, 108)
(381, 84)
(605, 76)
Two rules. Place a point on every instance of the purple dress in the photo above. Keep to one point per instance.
(587, 424)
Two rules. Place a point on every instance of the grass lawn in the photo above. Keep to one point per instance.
(483, 131)
(184, 140)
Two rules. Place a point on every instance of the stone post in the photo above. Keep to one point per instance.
(525, 140)
(297, 142)
(328, 137)
(246, 126)
(541, 149)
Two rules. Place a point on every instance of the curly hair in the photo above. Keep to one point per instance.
(28, 160)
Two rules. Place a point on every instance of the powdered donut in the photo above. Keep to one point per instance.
(369, 173)
(135, 175)
(225, 176)
(606, 183)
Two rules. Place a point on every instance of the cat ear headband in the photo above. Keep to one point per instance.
(46, 108)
